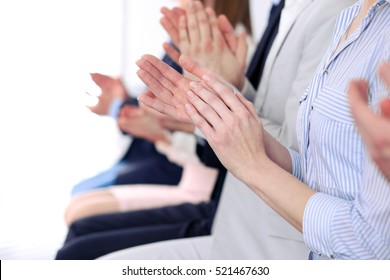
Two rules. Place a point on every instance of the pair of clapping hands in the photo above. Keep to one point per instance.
(226, 119)
(198, 33)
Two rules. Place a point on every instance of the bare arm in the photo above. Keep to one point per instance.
(233, 129)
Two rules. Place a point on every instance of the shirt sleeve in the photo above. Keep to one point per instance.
(115, 107)
(356, 229)
(297, 170)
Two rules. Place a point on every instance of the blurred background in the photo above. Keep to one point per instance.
(49, 140)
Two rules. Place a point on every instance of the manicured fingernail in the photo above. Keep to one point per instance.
(194, 85)
(206, 77)
(188, 107)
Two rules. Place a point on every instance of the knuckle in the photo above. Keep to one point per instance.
(209, 47)
(199, 122)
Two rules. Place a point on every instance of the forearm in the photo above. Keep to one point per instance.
(277, 152)
(173, 125)
(280, 190)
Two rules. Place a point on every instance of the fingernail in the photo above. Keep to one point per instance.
(194, 85)
(188, 107)
(190, 94)
(206, 77)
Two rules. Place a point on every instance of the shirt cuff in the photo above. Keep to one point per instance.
(296, 164)
(115, 107)
(318, 219)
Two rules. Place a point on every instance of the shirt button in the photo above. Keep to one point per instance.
(311, 108)
(326, 72)
(332, 257)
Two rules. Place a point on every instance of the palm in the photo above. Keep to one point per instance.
(169, 88)
(134, 121)
(110, 88)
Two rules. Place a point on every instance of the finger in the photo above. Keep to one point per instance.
(149, 110)
(192, 66)
(385, 108)
(158, 105)
(172, 15)
(218, 40)
(151, 80)
(170, 79)
(225, 91)
(384, 72)
(159, 77)
(242, 50)
(178, 12)
(199, 121)
(124, 112)
(192, 23)
(133, 111)
(122, 123)
(357, 93)
(184, 36)
(98, 78)
(173, 32)
(212, 101)
(248, 105)
(204, 26)
(228, 33)
(172, 52)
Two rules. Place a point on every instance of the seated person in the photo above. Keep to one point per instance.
(330, 190)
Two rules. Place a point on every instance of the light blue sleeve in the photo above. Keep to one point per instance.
(115, 107)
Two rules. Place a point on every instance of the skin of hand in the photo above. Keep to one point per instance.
(209, 40)
(110, 88)
(232, 128)
(230, 122)
(235, 132)
(170, 22)
(374, 128)
(167, 122)
(168, 88)
(135, 121)
(171, 95)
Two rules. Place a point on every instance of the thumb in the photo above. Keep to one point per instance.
(227, 31)
(385, 108)
(192, 67)
(357, 93)
(242, 50)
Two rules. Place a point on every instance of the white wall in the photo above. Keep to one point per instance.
(142, 34)
(49, 140)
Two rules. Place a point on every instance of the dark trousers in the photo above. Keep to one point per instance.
(141, 164)
(96, 236)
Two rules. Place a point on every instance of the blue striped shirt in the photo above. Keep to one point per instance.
(349, 216)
